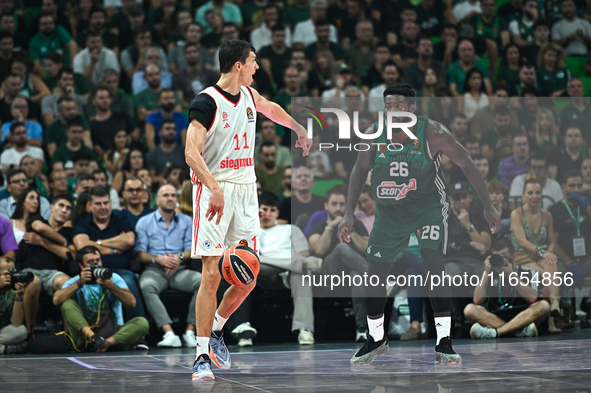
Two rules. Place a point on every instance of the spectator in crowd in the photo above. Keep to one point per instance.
(166, 103)
(113, 235)
(400, 12)
(511, 63)
(230, 11)
(268, 172)
(529, 108)
(64, 155)
(120, 100)
(405, 52)
(304, 32)
(117, 153)
(343, 83)
(58, 182)
(78, 294)
(44, 249)
(474, 97)
(372, 76)
(133, 193)
(84, 182)
(133, 58)
(11, 158)
(51, 38)
(547, 139)
(268, 132)
(496, 143)
(390, 75)
(8, 244)
(167, 153)
(414, 73)
(360, 51)
(532, 234)
(97, 21)
(322, 73)
(95, 59)
(293, 88)
(302, 204)
(322, 32)
(498, 192)
(571, 157)
(192, 79)
(488, 24)
(458, 71)
(572, 227)
(153, 56)
(53, 64)
(516, 163)
(577, 111)
(32, 87)
(284, 249)
(213, 39)
(20, 40)
(342, 258)
(468, 239)
(541, 38)
(527, 80)
(537, 167)
(465, 9)
(130, 20)
(520, 313)
(134, 161)
(521, 29)
(572, 33)
(192, 34)
(166, 263)
(164, 17)
(274, 58)
(357, 11)
(147, 102)
(484, 117)
(20, 113)
(298, 12)
(13, 331)
(431, 14)
(7, 51)
(65, 84)
(50, 7)
(261, 36)
(552, 76)
(446, 51)
(11, 87)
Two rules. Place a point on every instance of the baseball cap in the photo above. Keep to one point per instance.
(460, 187)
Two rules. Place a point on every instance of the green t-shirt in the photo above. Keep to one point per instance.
(81, 84)
(56, 132)
(491, 31)
(271, 183)
(6, 305)
(551, 81)
(65, 155)
(250, 13)
(456, 74)
(40, 47)
(149, 100)
(294, 15)
(508, 75)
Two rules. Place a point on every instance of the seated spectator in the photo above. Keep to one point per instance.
(521, 28)
(133, 192)
(275, 56)
(488, 25)
(120, 100)
(13, 331)
(390, 75)
(474, 97)
(405, 52)
(113, 235)
(147, 101)
(586, 171)
(64, 155)
(345, 258)
(572, 33)
(268, 132)
(130, 20)
(44, 249)
(95, 59)
(498, 192)
(66, 88)
(511, 63)
(58, 182)
(230, 11)
(284, 252)
(268, 172)
(303, 32)
(322, 42)
(468, 239)
(134, 161)
(496, 142)
(431, 14)
(55, 134)
(164, 16)
(571, 157)
(164, 245)
(51, 38)
(20, 113)
(372, 76)
(415, 72)
(577, 110)
(32, 87)
(360, 51)
(192, 34)
(537, 167)
(547, 139)
(516, 163)
(533, 238)
(8, 25)
(552, 76)
(168, 153)
(261, 35)
(191, 79)
(458, 71)
(82, 180)
(12, 85)
(520, 313)
(37, 178)
(78, 294)
(446, 51)
(139, 82)
(214, 33)
(97, 21)
(53, 64)
(134, 57)
(298, 208)
(167, 106)
(11, 158)
(150, 194)
(117, 153)
(541, 33)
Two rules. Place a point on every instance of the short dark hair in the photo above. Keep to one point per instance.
(98, 191)
(471, 139)
(266, 144)
(401, 89)
(571, 173)
(81, 155)
(278, 27)
(64, 197)
(339, 189)
(501, 110)
(95, 9)
(532, 180)
(189, 45)
(537, 156)
(93, 34)
(84, 177)
(84, 251)
(501, 243)
(165, 122)
(541, 22)
(13, 173)
(232, 51)
(269, 199)
(15, 125)
(64, 70)
(75, 122)
(5, 34)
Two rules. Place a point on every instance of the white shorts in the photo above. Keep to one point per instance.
(239, 224)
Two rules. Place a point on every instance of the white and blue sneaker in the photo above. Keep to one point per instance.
(202, 369)
(218, 351)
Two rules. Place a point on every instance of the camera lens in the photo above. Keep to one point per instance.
(497, 261)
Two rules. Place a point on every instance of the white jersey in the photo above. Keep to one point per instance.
(229, 144)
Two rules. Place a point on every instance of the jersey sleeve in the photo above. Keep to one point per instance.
(202, 109)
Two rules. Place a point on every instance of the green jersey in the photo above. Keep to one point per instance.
(408, 175)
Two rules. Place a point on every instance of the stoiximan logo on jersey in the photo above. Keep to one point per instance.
(391, 190)
(388, 120)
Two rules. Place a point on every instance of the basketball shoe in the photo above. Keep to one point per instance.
(444, 353)
(202, 369)
(218, 351)
(370, 350)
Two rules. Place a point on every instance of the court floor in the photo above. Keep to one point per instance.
(545, 364)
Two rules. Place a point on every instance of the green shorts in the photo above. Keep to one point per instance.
(394, 225)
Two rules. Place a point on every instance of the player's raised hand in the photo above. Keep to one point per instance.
(304, 143)
(216, 205)
(494, 219)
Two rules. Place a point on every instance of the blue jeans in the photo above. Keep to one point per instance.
(131, 281)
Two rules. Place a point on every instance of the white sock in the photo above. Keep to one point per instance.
(443, 327)
(376, 328)
(202, 347)
(218, 322)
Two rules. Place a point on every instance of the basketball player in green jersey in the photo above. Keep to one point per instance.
(411, 197)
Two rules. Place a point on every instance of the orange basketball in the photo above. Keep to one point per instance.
(239, 265)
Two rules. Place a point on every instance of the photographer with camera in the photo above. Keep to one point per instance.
(92, 303)
(13, 332)
(500, 308)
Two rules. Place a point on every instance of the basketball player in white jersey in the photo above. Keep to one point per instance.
(220, 152)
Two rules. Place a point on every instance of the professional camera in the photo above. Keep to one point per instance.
(20, 277)
(497, 261)
(98, 271)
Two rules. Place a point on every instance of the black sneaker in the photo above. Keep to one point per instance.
(370, 350)
(141, 344)
(98, 344)
(445, 354)
(13, 349)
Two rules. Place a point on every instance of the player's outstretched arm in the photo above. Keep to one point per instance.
(440, 139)
(356, 181)
(196, 134)
(276, 113)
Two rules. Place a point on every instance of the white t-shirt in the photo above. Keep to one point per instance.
(305, 32)
(280, 243)
(563, 29)
(465, 9)
(13, 157)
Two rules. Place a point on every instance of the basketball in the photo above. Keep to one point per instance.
(239, 265)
